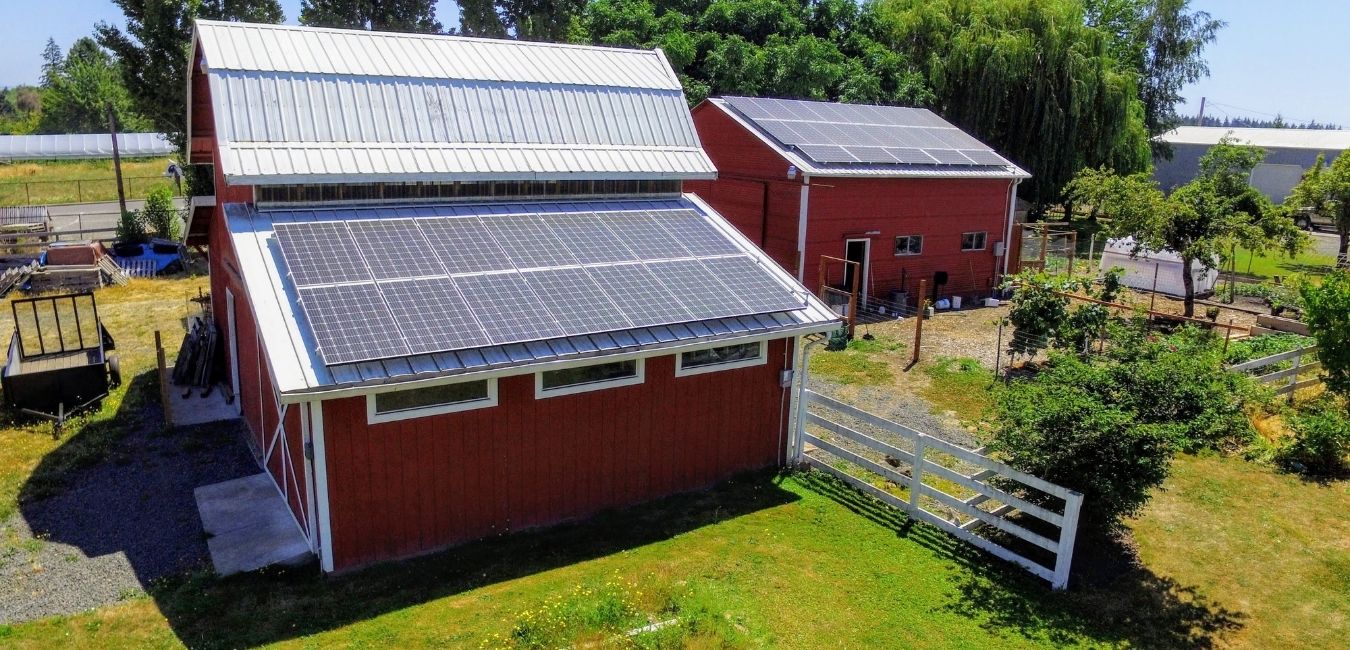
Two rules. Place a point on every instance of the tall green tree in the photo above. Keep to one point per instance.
(80, 90)
(152, 52)
(378, 15)
(1164, 42)
(52, 60)
(1031, 79)
(1200, 221)
(1326, 190)
(479, 18)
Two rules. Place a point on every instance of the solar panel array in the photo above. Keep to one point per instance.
(832, 133)
(382, 288)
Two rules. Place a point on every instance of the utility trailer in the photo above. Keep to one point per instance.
(60, 358)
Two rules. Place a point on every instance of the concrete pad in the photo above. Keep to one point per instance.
(195, 409)
(250, 525)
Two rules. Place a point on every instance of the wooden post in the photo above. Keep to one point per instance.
(1153, 295)
(1228, 336)
(998, 348)
(117, 162)
(918, 324)
(853, 297)
(1045, 244)
(164, 394)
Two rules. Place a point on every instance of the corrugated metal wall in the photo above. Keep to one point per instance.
(409, 487)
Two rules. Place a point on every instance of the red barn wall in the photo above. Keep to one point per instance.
(938, 209)
(404, 488)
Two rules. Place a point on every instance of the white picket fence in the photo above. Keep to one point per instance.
(923, 469)
(1303, 360)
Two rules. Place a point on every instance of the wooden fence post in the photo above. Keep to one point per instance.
(164, 396)
(918, 324)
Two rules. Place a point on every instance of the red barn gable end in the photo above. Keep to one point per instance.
(446, 322)
(769, 188)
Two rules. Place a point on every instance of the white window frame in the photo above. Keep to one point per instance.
(374, 417)
(983, 244)
(541, 393)
(909, 237)
(762, 359)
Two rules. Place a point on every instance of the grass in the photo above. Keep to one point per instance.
(960, 385)
(863, 362)
(78, 181)
(1272, 263)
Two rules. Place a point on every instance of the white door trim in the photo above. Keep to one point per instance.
(863, 292)
(234, 350)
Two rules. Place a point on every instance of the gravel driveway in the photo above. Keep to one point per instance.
(118, 524)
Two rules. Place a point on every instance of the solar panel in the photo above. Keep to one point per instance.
(528, 241)
(320, 253)
(508, 309)
(753, 284)
(862, 134)
(698, 289)
(643, 236)
(577, 301)
(351, 323)
(587, 238)
(464, 245)
(394, 248)
(693, 232)
(643, 299)
(432, 316)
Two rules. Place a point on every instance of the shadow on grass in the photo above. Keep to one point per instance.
(1124, 604)
(275, 605)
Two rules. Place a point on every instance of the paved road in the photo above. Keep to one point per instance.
(87, 216)
(1326, 243)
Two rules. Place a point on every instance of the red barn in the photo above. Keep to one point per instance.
(461, 291)
(899, 190)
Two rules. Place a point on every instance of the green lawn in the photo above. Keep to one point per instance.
(78, 181)
(1273, 263)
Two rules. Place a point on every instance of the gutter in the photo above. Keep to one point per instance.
(802, 210)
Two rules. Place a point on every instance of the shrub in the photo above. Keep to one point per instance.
(1321, 440)
(1327, 313)
(130, 228)
(1042, 318)
(159, 214)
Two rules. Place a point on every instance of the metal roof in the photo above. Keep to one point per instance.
(752, 114)
(304, 105)
(1320, 139)
(83, 145)
(300, 370)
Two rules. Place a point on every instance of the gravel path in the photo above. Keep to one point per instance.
(898, 405)
(117, 525)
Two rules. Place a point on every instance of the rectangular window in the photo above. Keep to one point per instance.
(973, 241)
(580, 379)
(909, 245)
(722, 358)
(431, 400)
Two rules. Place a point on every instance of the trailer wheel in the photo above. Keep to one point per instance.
(114, 371)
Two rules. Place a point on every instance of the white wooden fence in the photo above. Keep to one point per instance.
(1302, 360)
(989, 505)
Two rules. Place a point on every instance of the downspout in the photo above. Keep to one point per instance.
(1012, 215)
(801, 229)
(797, 447)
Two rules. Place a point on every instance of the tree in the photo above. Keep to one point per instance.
(80, 91)
(1326, 310)
(479, 18)
(1164, 42)
(1326, 190)
(152, 52)
(378, 15)
(52, 60)
(1201, 220)
(1031, 79)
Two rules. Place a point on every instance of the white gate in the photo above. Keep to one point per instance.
(994, 494)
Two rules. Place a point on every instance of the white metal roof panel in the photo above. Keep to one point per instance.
(1319, 139)
(83, 145)
(300, 371)
(295, 49)
(300, 105)
(868, 170)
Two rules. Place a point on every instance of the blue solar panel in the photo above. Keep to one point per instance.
(528, 241)
(394, 248)
(643, 299)
(508, 309)
(464, 245)
(351, 323)
(432, 316)
(320, 253)
(577, 301)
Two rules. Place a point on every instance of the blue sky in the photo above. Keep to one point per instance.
(1273, 58)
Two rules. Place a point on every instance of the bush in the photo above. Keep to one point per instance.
(130, 229)
(1321, 440)
(1042, 317)
(159, 214)
(1327, 312)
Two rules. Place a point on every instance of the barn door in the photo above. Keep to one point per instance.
(857, 250)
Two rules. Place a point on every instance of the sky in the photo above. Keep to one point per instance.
(1273, 58)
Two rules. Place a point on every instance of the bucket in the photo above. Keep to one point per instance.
(956, 302)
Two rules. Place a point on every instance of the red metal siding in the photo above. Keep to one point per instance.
(404, 488)
(939, 209)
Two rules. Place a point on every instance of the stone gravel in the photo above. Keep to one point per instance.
(118, 524)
